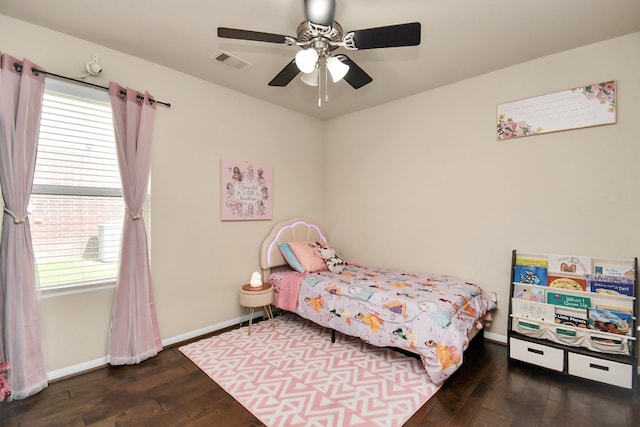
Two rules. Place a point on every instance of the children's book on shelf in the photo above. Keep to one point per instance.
(571, 317)
(573, 283)
(613, 268)
(569, 264)
(528, 293)
(611, 321)
(565, 300)
(532, 310)
(614, 308)
(610, 285)
(536, 262)
(530, 274)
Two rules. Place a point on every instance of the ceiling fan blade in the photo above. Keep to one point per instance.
(389, 36)
(233, 33)
(284, 77)
(356, 76)
(320, 11)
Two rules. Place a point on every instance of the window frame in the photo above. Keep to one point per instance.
(77, 90)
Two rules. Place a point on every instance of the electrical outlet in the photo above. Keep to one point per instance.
(95, 58)
(494, 297)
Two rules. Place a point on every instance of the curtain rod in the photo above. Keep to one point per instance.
(166, 104)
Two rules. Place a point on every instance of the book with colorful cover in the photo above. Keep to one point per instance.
(530, 274)
(614, 308)
(611, 321)
(573, 283)
(565, 300)
(610, 285)
(569, 264)
(613, 268)
(528, 293)
(571, 317)
(536, 262)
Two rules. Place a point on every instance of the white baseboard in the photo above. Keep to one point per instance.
(495, 337)
(76, 369)
(204, 331)
(98, 363)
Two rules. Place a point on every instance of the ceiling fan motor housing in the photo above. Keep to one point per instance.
(321, 37)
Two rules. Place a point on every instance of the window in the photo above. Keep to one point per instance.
(76, 207)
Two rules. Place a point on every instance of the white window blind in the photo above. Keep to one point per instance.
(76, 207)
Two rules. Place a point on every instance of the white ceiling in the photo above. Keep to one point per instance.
(460, 39)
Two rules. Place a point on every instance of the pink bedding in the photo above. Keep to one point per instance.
(288, 290)
(425, 313)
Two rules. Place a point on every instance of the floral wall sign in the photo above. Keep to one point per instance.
(591, 105)
(246, 191)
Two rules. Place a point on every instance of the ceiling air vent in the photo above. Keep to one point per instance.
(230, 60)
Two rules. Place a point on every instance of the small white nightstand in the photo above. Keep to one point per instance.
(251, 298)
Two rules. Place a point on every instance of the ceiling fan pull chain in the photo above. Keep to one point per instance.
(319, 91)
(326, 82)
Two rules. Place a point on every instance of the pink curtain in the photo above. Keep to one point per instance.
(21, 93)
(134, 334)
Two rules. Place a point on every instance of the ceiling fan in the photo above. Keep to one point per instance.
(318, 36)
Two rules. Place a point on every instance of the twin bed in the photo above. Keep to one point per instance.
(431, 315)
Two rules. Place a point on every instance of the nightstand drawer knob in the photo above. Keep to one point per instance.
(535, 350)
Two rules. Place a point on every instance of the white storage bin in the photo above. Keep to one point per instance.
(537, 354)
(606, 371)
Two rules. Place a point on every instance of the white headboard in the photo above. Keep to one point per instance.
(296, 229)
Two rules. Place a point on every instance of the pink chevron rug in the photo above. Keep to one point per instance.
(292, 375)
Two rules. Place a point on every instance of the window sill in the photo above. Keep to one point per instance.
(58, 291)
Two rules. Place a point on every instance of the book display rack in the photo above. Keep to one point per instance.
(576, 315)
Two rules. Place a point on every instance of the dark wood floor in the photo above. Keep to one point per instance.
(168, 390)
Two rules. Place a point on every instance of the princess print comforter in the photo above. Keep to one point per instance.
(427, 314)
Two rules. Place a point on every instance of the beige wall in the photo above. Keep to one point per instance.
(198, 262)
(423, 184)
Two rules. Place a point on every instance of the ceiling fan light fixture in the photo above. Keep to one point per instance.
(320, 11)
(311, 78)
(306, 60)
(337, 68)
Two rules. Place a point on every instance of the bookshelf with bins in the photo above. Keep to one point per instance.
(575, 315)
